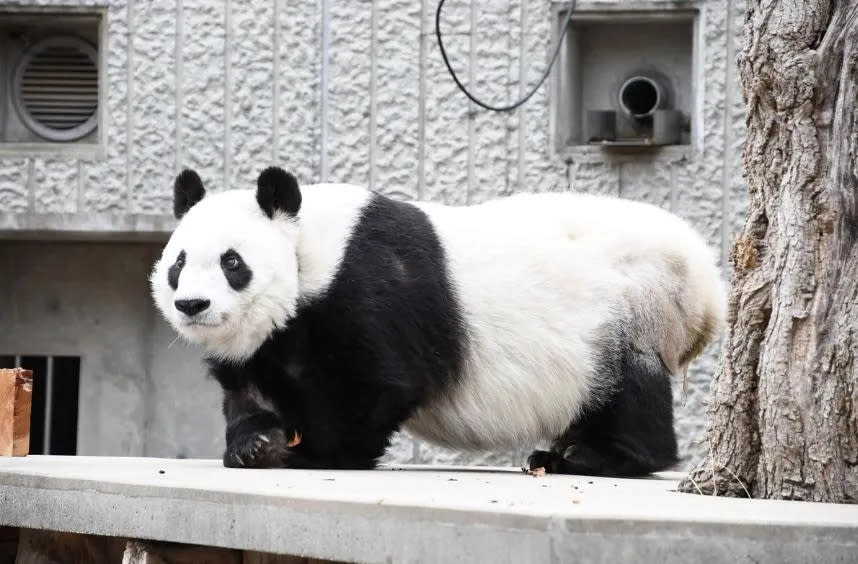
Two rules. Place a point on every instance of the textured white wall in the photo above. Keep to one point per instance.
(357, 91)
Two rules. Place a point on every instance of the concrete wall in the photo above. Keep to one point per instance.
(342, 91)
(140, 393)
(63, 299)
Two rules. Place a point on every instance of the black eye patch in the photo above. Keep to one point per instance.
(235, 270)
(174, 271)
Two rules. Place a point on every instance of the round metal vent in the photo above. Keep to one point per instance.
(55, 88)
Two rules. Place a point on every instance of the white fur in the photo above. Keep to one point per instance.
(537, 275)
(327, 217)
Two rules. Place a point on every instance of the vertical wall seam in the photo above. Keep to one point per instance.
(275, 103)
(673, 191)
(472, 109)
(728, 141)
(79, 199)
(180, 39)
(373, 85)
(3, 94)
(699, 46)
(323, 91)
(522, 69)
(129, 100)
(415, 450)
(30, 185)
(509, 117)
(227, 93)
(421, 107)
(569, 175)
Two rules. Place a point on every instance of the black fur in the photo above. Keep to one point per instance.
(238, 275)
(352, 364)
(277, 190)
(630, 434)
(187, 191)
(174, 271)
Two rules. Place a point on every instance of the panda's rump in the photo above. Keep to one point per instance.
(548, 285)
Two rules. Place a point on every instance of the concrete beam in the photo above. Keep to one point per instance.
(416, 514)
(86, 226)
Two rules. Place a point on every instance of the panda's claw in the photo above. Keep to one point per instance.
(257, 450)
(542, 459)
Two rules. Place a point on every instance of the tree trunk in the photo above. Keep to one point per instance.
(783, 422)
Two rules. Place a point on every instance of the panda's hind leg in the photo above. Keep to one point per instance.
(630, 434)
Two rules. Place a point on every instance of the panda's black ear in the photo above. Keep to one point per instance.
(277, 190)
(187, 191)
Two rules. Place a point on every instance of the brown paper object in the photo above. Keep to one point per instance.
(16, 398)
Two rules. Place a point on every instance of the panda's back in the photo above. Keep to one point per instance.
(504, 309)
(551, 286)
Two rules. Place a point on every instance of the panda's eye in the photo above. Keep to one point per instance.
(235, 270)
(231, 263)
(175, 270)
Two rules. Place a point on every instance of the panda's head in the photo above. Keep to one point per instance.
(228, 276)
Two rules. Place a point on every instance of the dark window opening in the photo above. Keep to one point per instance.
(56, 390)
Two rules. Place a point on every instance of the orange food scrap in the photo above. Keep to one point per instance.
(295, 440)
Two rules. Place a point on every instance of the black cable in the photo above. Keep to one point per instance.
(535, 88)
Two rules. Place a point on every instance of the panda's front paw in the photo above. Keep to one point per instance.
(543, 459)
(265, 449)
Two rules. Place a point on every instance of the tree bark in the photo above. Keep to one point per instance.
(783, 421)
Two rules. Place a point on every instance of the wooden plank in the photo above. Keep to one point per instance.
(38, 547)
(148, 552)
(16, 395)
(7, 412)
(21, 415)
(267, 558)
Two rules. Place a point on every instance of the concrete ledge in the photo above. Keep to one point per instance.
(416, 514)
(86, 226)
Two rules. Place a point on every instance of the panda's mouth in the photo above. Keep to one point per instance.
(198, 323)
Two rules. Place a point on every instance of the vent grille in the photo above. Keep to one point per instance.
(56, 88)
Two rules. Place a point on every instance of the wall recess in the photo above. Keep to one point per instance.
(626, 80)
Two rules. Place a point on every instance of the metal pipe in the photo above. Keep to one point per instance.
(640, 97)
(49, 397)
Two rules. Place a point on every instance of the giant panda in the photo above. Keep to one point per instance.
(333, 316)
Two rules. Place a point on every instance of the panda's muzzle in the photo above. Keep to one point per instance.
(192, 307)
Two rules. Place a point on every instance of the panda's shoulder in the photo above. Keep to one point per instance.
(349, 210)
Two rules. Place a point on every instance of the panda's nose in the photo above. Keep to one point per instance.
(191, 307)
